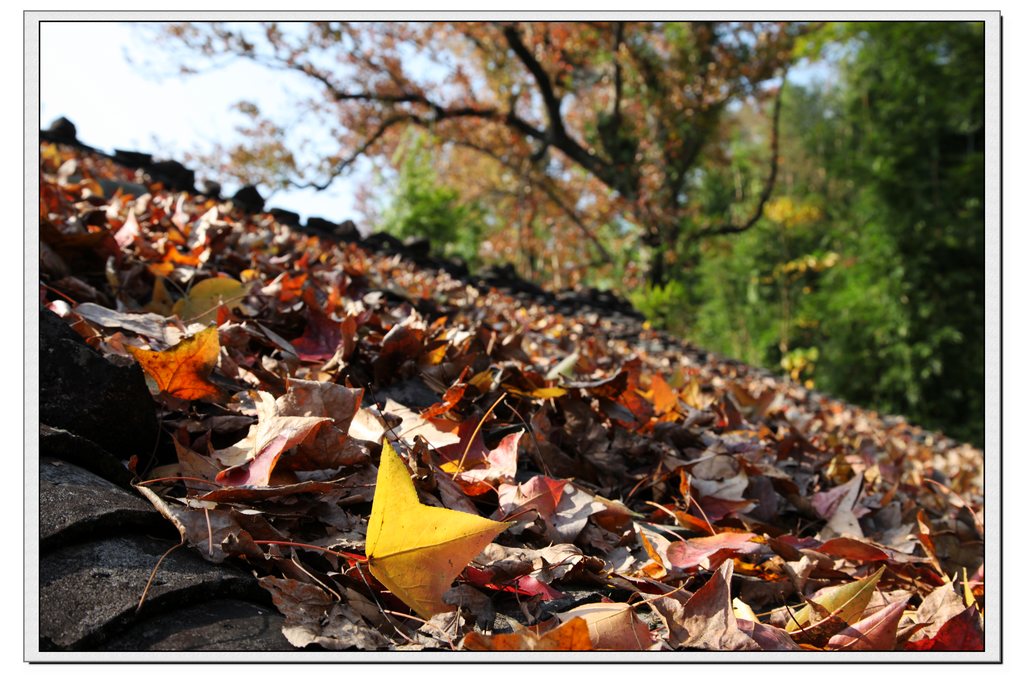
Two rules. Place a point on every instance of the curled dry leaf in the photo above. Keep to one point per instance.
(720, 477)
(695, 552)
(330, 446)
(574, 510)
(252, 460)
(708, 620)
(541, 494)
(612, 626)
(876, 632)
(499, 467)
(147, 324)
(313, 616)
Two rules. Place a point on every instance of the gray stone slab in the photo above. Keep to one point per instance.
(90, 591)
(63, 445)
(218, 625)
(74, 503)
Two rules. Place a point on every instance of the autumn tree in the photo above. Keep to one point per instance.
(564, 124)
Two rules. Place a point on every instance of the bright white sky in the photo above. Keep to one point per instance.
(92, 73)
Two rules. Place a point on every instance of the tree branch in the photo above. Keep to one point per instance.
(343, 165)
(620, 28)
(769, 186)
(606, 257)
(557, 133)
(552, 103)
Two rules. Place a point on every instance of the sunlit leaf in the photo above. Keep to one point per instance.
(183, 371)
(416, 550)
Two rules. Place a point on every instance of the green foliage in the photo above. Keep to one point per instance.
(865, 278)
(421, 206)
(916, 153)
(663, 305)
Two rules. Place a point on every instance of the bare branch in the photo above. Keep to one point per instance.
(552, 103)
(620, 28)
(364, 148)
(769, 186)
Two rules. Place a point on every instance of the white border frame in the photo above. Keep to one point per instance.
(993, 351)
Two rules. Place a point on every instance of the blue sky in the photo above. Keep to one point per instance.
(94, 73)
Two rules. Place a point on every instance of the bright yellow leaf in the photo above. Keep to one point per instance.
(541, 393)
(743, 611)
(968, 593)
(417, 550)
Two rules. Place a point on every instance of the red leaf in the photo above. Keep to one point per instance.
(962, 633)
(539, 493)
(521, 585)
(323, 334)
(875, 632)
(852, 549)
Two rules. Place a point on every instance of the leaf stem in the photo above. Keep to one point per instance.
(317, 548)
(458, 468)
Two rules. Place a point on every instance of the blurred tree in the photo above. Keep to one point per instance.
(421, 206)
(914, 101)
(866, 275)
(591, 118)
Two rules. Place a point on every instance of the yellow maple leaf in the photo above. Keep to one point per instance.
(417, 550)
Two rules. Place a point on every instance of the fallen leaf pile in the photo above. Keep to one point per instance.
(408, 461)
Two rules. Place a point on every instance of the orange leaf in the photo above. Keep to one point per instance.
(183, 370)
(573, 635)
(664, 395)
